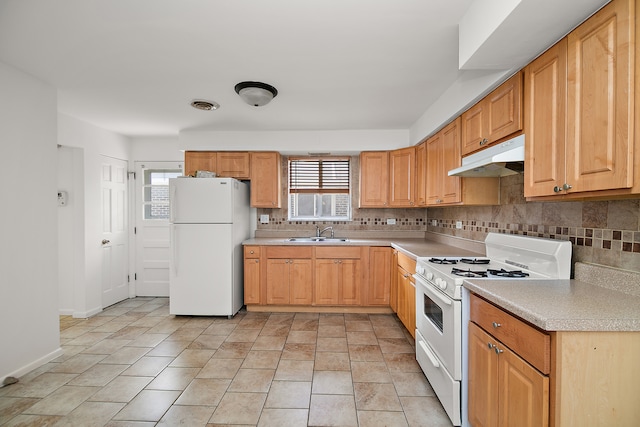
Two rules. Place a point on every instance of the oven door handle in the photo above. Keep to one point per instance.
(431, 292)
(432, 357)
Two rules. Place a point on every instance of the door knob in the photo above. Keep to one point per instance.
(105, 241)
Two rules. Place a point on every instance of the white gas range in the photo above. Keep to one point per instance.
(442, 311)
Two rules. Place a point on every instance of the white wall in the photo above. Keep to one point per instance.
(90, 143)
(297, 142)
(29, 326)
(155, 149)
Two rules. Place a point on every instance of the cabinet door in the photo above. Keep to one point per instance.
(421, 174)
(380, 263)
(504, 109)
(483, 379)
(523, 392)
(545, 89)
(393, 294)
(450, 146)
(199, 161)
(252, 281)
(402, 170)
(474, 128)
(301, 281)
(327, 281)
(350, 285)
(374, 179)
(600, 100)
(277, 281)
(403, 297)
(233, 164)
(265, 179)
(435, 169)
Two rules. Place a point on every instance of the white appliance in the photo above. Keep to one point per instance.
(209, 218)
(442, 305)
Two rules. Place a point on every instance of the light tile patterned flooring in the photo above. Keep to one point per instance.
(136, 365)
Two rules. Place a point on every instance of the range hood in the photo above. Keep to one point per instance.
(506, 158)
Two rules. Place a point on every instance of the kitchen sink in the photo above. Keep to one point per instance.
(317, 239)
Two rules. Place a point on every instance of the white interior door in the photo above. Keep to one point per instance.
(152, 226)
(115, 286)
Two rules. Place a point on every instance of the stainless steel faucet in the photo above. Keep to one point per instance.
(319, 232)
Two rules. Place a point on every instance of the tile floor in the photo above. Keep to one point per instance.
(136, 365)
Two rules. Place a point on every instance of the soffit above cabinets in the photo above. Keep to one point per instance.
(508, 34)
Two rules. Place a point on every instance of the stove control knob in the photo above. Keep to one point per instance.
(420, 270)
(442, 284)
(429, 276)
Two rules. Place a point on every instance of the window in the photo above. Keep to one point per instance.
(155, 188)
(319, 189)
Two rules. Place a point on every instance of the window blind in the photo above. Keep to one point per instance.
(319, 176)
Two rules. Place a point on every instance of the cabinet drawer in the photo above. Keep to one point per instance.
(289, 251)
(528, 342)
(333, 252)
(252, 251)
(407, 263)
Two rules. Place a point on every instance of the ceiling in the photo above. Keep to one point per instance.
(133, 67)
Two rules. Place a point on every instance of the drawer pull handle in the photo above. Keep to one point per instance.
(496, 325)
(430, 355)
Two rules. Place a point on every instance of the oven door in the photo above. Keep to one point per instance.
(439, 320)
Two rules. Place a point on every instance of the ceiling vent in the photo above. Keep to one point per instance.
(201, 104)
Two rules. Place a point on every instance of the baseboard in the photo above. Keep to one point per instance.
(86, 314)
(65, 312)
(35, 364)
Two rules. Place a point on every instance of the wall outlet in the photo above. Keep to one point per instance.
(264, 219)
(458, 224)
(391, 221)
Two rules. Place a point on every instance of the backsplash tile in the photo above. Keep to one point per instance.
(604, 232)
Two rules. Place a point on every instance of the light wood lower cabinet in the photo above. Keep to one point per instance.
(288, 276)
(356, 276)
(406, 311)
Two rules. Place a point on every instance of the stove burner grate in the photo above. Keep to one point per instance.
(468, 273)
(475, 260)
(507, 273)
(443, 261)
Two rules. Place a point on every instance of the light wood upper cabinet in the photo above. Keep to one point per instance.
(443, 154)
(579, 122)
(374, 179)
(600, 100)
(199, 161)
(495, 117)
(265, 179)
(232, 164)
(421, 174)
(402, 171)
(545, 90)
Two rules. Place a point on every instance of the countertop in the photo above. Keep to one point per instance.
(563, 305)
(412, 247)
(602, 299)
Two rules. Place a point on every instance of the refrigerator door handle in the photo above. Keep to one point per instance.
(174, 255)
(172, 203)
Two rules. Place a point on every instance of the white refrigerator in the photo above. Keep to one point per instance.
(209, 218)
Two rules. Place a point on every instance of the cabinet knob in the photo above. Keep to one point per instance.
(257, 261)
(557, 189)
(566, 186)
(490, 345)
(497, 350)
(483, 141)
(496, 325)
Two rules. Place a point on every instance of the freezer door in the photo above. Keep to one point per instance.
(201, 200)
(201, 279)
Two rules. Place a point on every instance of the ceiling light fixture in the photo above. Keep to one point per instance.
(201, 104)
(256, 93)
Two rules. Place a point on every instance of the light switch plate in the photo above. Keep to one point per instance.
(391, 221)
(264, 219)
(458, 224)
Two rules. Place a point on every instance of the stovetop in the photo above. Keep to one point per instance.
(508, 257)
